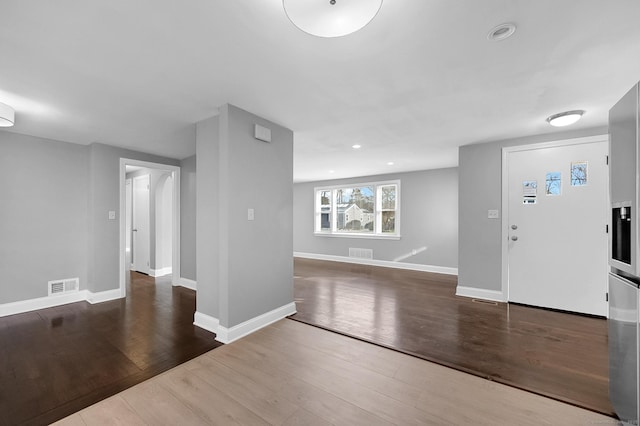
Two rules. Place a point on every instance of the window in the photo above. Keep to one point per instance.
(370, 209)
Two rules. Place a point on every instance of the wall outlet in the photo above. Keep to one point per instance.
(493, 214)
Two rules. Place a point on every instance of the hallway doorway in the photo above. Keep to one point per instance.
(149, 220)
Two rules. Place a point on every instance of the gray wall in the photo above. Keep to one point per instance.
(43, 214)
(245, 268)
(54, 214)
(207, 146)
(479, 242)
(104, 243)
(429, 218)
(259, 253)
(188, 218)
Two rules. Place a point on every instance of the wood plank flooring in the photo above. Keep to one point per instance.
(291, 373)
(560, 355)
(56, 361)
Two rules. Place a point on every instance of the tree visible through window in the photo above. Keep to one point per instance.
(369, 209)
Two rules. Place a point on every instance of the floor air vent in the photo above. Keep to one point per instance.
(63, 286)
(361, 253)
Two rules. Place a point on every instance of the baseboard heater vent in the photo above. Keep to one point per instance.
(63, 286)
(361, 253)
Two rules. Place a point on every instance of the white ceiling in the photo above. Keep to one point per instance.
(411, 87)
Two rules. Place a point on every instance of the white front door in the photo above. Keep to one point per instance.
(141, 240)
(557, 217)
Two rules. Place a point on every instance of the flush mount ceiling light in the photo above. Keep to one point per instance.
(331, 18)
(565, 118)
(7, 115)
(502, 32)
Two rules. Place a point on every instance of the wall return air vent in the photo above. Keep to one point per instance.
(67, 285)
(361, 253)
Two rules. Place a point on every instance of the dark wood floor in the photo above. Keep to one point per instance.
(56, 361)
(555, 354)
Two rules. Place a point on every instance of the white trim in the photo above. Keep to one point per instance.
(384, 263)
(22, 306)
(29, 305)
(228, 335)
(357, 235)
(175, 258)
(187, 283)
(480, 293)
(160, 272)
(206, 322)
(103, 296)
(505, 193)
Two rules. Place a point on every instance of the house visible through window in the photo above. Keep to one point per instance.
(370, 209)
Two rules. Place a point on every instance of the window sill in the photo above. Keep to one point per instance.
(363, 236)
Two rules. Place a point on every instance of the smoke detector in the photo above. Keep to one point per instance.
(502, 31)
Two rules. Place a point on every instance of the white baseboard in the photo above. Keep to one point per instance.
(228, 335)
(185, 282)
(41, 303)
(103, 296)
(52, 301)
(155, 273)
(206, 322)
(384, 263)
(480, 293)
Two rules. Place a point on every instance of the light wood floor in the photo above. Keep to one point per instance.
(292, 373)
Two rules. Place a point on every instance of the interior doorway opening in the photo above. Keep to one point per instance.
(149, 220)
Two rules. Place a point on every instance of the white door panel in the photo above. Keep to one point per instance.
(557, 253)
(141, 236)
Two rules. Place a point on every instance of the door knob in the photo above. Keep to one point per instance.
(514, 238)
(514, 227)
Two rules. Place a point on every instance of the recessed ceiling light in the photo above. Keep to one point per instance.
(356, 146)
(565, 118)
(332, 171)
(390, 163)
(502, 32)
(7, 115)
(331, 18)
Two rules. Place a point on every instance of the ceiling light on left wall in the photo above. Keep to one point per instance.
(331, 18)
(7, 115)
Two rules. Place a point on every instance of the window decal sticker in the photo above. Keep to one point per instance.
(579, 173)
(553, 184)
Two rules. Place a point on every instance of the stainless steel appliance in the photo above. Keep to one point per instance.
(624, 278)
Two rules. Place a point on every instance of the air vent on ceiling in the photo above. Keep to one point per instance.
(63, 286)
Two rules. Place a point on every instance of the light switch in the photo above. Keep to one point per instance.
(250, 214)
(112, 215)
(493, 214)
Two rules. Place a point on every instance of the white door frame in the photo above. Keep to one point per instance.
(175, 171)
(505, 194)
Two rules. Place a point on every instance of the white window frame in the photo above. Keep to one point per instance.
(334, 232)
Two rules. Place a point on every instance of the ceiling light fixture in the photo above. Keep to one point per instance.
(356, 146)
(331, 18)
(502, 31)
(7, 115)
(565, 118)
